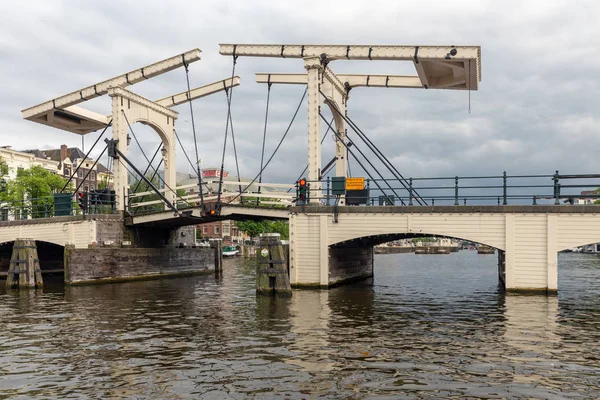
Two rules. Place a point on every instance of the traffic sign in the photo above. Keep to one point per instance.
(355, 183)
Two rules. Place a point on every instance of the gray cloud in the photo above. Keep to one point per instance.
(536, 110)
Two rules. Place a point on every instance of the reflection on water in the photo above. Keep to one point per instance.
(427, 326)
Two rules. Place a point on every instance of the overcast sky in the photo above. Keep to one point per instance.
(536, 110)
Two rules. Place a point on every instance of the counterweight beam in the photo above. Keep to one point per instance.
(99, 89)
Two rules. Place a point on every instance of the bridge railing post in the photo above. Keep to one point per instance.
(456, 190)
(328, 182)
(504, 189)
(555, 179)
(535, 200)
(410, 191)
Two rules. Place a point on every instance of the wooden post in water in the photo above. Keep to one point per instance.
(24, 269)
(271, 270)
(217, 245)
(502, 267)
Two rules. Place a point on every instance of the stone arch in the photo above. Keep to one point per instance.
(165, 138)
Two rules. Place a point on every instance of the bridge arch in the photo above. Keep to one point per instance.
(50, 255)
(129, 108)
(474, 233)
(377, 239)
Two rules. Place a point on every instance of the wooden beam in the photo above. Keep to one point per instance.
(199, 92)
(354, 80)
(422, 74)
(101, 88)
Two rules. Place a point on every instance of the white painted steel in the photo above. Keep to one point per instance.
(202, 91)
(353, 80)
(127, 109)
(101, 88)
(315, 71)
(435, 61)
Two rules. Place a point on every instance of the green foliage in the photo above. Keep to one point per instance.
(260, 202)
(3, 168)
(32, 191)
(103, 184)
(597, 192)
(255, 228)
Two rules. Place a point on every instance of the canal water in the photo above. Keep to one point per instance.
(427, 326)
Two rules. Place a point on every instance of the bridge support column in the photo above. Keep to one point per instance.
(313, 263)
(24, 270)
(314, 68)
(531, 253)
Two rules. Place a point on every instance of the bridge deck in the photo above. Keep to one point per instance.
(194, 216)
(461, 209)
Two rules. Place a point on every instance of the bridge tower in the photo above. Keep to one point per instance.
(437, 67)
(128, 108)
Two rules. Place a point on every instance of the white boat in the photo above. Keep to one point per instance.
(230, 251)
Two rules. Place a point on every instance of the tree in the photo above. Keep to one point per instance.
(3, 168)
(32, 191)
(255, 228)
(270, 202)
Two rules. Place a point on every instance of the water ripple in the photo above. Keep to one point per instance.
(425, 327)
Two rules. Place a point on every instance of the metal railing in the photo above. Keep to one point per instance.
(271, 194)
(501, 189)
(59, 204)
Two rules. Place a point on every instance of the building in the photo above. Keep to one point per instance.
(225, 230)
(20, 160)
(70, 159)
(587, 197)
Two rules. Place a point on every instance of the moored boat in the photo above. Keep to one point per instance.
(230, 251)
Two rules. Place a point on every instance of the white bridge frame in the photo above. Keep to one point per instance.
(64, 113)
(437, 67)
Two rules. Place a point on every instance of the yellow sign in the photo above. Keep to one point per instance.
(355, 183)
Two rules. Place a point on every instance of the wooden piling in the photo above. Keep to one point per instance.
(24, 270)
(217, 244)
(272, 276)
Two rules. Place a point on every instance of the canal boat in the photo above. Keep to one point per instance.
(230, 251)
(482, 249)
